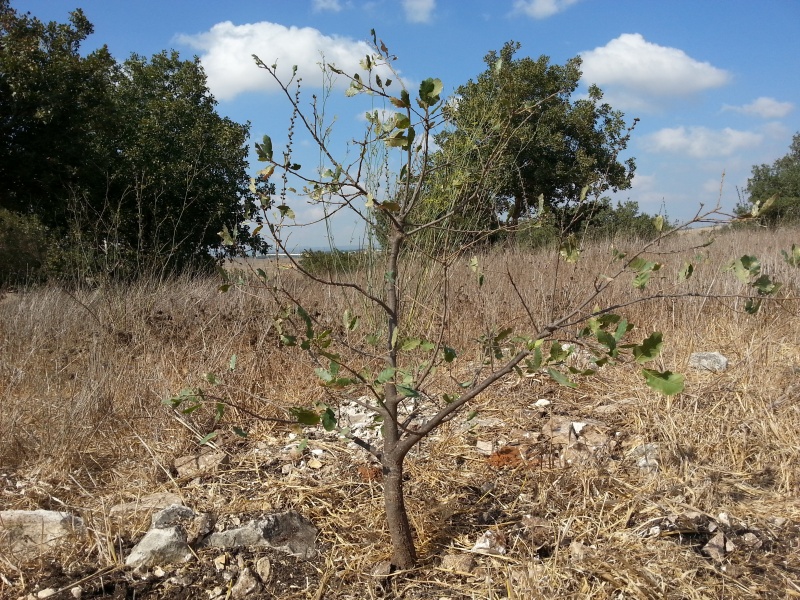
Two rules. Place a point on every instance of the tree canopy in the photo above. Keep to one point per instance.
(776, 188)
(554, 148)
(129, 165)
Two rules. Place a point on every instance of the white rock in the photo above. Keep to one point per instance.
(264, 568)
(708, 361)
(29, 532)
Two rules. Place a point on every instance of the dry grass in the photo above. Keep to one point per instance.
(83, 374)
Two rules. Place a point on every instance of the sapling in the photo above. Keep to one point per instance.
(391, 370)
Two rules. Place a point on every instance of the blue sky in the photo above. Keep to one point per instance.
(716, 85)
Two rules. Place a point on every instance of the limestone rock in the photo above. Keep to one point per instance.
(246, 586)
(289, 532)
(26, 533)
(159, 547)
(146, 504)
(198, 464)
(708, 361)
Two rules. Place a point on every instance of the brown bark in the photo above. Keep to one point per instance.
(404, 555)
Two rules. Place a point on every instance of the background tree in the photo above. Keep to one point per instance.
(179, 173)
(55, 110)
(775, 189)
(560, 150)
(128, 165)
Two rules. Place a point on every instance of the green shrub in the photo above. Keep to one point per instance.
(322, 262)
(25, 247)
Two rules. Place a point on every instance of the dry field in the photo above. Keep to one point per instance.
(82, 427)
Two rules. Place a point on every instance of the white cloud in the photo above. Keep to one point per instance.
(766, 108)
(227, 51)
(638, 73)
(701, 142)
(419, 11)
(323, 5)
(541, 9)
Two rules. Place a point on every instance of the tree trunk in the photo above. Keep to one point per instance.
(404, 555)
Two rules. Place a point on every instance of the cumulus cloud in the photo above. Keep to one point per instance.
(541, 9)
(227, 49)
(702, 142)
(419, 11)
(766, 108)
(639, 73)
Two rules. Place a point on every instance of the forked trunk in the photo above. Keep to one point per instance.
(404, 555)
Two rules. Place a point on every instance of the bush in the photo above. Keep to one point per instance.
(25, 248)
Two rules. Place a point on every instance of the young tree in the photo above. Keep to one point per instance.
(391, 370)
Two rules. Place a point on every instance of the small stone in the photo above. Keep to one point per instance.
(461, 563)
(751, 540)
(264, 568)
(716, 548)
(315, 463)
(159, 572)
(46, 593)
(708, 361)
(490, 542)
(485, 447)
(246, 585)
(77, 592)
(220, 562)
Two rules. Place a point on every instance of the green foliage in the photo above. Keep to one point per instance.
(774, 190)
(552, 151)
(25, 248)
(129, 165)
(324, 262)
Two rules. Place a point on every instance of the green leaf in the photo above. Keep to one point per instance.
(765, 286)
(640, 281)
(449, 354)
(404, 101)
(232, 363)
(386, 375)
(286, 211)
(745, 267)
(211, 378)
(752, 305)
(350, 320)
(410, 344)
(429, 91)
(609, 341)
(407, 391)
(240, 432)
(207, 438)
(686, 271)
(649, 348)
(305, 416)
(264, 149)
(307, 320)
(224, 287)
(792, 257)
(329, 421)
(569, 249)
(668, 383)
(561, 379)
